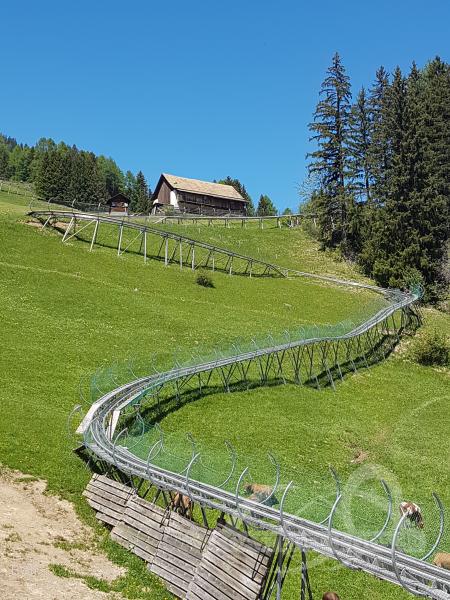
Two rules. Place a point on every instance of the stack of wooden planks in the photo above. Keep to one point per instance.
(233, 567)
(141, 528)
(108, 498)
(179, 553)
(195, 563)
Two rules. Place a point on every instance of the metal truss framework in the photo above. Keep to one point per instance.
(319, 361)
(225, 218)
(171, 247)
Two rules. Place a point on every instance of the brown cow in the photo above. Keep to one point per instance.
(412, 512)
(442, 559)
(182, 505)
(330, 596)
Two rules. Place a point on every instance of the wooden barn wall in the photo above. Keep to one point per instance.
(164, 193)
(209, 204)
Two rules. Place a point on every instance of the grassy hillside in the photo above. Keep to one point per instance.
(66, 311)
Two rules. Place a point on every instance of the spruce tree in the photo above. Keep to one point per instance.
(51, 176)
(239, 187)
(377, 254)
(86, 182)
(266, 207)
(113, 178)
(408, 241)
(4, 161)
(140, 198)
(379, 150)
(359, 143)
(331, 161)
(436, 207)
(129, 184)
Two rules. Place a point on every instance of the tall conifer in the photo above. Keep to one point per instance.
(379, 150)
(330, 160)
(359, 143)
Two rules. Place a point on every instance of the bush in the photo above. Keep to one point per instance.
(204, 280)
(431, 349)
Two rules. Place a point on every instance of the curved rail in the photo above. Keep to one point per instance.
(414, 574)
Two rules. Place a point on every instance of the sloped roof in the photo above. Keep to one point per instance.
(119, 197)
(197, 186)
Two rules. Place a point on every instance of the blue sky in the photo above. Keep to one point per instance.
(201, 89)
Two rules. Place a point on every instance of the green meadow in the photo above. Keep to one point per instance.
(67, 312)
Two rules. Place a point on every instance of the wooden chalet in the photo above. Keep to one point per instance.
(197, 197)
(118, 203)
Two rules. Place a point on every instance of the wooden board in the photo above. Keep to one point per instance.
(108, 498)
(141, 528)
(233, 567)
(179, 553)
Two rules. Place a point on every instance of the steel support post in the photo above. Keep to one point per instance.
(67, 231)
(336, 358)
(348, 345)
(94, 237)
(166, 251)
(323, 350)
(306, 586)
(296, 360)
(280, 567)
(46, 222)
(359, 349)
(119, 244)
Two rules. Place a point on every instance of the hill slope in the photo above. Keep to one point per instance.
(67, 311)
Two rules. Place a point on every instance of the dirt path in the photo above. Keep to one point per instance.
(37, 531)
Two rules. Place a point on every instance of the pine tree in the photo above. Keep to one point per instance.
(129, 184)
(113, 178)
(436, 206)
(408, 241)
(86, 182)
(436, 78)
(379, 150)
(4, 161)
(51, 176)
(331, 161)
(377, 254)
(266, 207)
(140, 198)
(239, 187)
(359, 143)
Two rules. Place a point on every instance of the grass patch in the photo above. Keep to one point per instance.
(93, 583)
(26, 479)
(67, 546)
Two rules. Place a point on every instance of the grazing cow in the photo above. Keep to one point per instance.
(330, 596)
(442, 559)
(412, 512)
(260, 493)
(182, 505)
